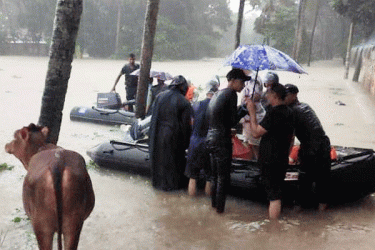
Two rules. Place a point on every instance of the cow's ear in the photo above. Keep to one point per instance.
(45, 131)
(24, 134)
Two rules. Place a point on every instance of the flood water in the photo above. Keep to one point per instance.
(130, 214)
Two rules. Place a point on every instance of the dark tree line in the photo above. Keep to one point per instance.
(187, 29)
(191, 29)
(324, 26)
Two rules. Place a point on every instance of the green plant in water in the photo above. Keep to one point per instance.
(91, 165)
(17, 219)
(5, 166)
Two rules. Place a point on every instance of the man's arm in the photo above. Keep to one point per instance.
(255, 129)
(117, 79)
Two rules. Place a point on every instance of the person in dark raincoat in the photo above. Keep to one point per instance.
(314, 153)
(170, 131)
(223, 115)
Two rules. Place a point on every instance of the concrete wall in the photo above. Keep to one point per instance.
(363, 59)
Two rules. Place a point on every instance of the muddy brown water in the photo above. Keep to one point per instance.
(130, 214)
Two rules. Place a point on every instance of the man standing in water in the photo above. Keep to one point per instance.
(170, 131)
(131, 81)
(276, 130)
(222, 116)
(315, 148)
(198, 157)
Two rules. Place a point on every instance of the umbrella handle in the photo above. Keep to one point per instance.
(255, 82)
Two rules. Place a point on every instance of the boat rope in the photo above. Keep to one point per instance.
(140, 147)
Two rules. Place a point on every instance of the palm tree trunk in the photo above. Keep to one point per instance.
(146, 55)
(313, 30)
(66, 24)
(118, 26)
(239, 23)
(299, 29)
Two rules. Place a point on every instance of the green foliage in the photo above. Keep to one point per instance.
(91, 165)
(279, 27)
(188, 28)
(5, 166)
(17, 219)
(98, 28)
(36, 16)
(177, 42)
(361, 12)
(304, 51)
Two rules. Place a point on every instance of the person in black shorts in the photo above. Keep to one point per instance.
(276, 130)
(198, 157)
(223, 115)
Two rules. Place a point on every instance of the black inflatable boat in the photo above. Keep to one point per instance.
(109, 110)
(352, 174)
(102, 115)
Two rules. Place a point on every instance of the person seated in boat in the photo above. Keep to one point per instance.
(191, 94)
(270, 79)
(314, 153)
(155, 90)
(254, 91)
(198, 157)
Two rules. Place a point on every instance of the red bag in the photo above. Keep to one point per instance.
(293, 156)
(240, 150)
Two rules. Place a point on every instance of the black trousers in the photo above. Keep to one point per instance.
(221, 160)
(316, 164)
(130, 95)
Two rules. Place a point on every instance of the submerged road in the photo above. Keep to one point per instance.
(130, 214)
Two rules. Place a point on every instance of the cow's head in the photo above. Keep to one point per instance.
(27, 142)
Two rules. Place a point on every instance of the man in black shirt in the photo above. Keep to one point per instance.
(315, 147)
(131, 81)
(276, 130)
(222, 116)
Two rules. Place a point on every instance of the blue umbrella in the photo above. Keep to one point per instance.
(262, 57)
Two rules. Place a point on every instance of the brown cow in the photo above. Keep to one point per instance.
(57, 190)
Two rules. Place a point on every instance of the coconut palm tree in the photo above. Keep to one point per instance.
(146, 55)
(65, 29)
(299, 30)
(239, 23)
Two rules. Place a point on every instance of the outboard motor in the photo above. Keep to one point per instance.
(139, 129)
